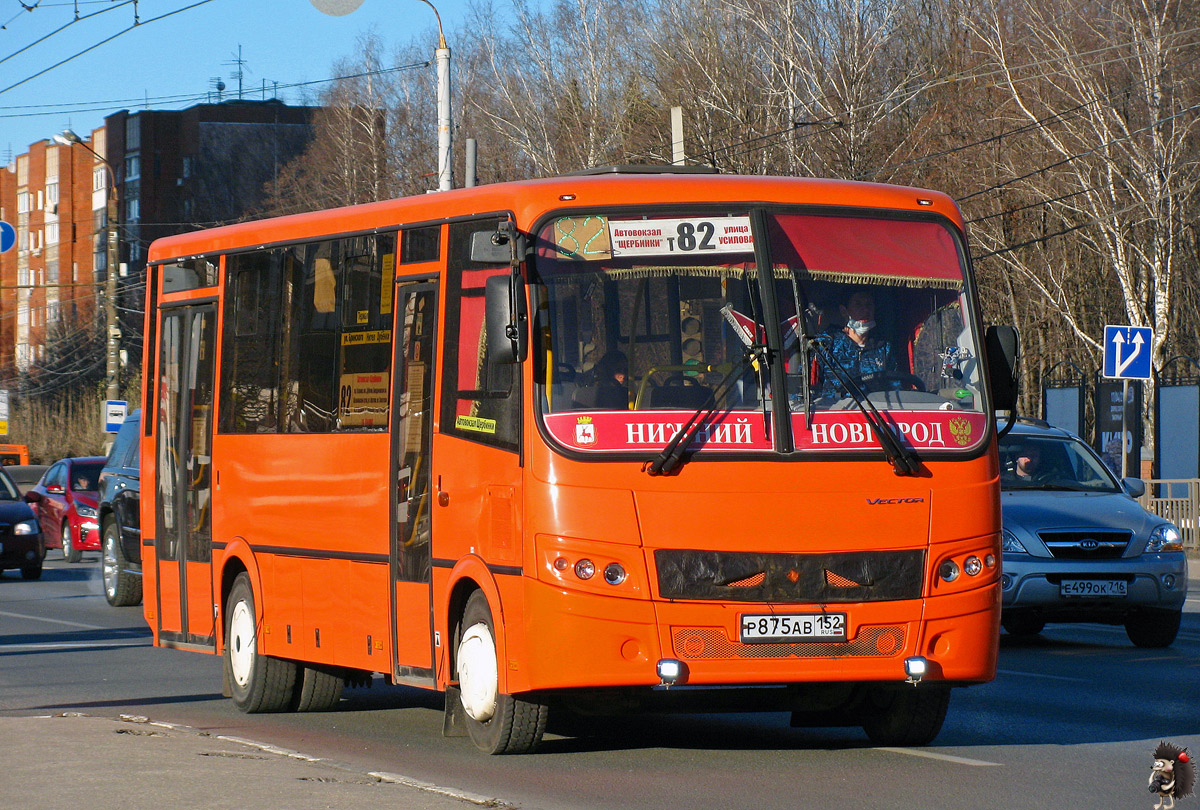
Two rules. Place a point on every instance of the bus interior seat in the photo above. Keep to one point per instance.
(680, 396)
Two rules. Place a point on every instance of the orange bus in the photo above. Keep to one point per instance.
(595, 442)
(13, 454)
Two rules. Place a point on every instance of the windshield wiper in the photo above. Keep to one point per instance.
(904, 460)
(667, 461)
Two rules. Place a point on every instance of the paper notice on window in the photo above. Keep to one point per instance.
(363, 400)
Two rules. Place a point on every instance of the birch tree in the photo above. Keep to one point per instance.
(1113, 121)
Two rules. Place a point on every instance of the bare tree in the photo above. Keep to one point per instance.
(1111, 125)
(367, 136)
(557, 86)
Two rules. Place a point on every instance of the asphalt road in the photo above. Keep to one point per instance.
(1071, 720)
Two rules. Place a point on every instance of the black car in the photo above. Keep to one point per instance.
(21, 543)
(120, 524)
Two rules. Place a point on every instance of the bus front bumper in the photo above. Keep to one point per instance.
(579, 640)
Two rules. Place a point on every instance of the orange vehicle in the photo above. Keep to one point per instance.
(13, 454)
(562, 444)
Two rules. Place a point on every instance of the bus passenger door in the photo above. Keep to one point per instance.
(412, 436)
(183, 536)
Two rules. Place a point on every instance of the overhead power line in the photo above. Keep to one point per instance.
(105, 41)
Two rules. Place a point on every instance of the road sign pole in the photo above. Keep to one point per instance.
(1125, 430)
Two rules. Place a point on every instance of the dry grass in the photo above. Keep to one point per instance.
(66, 425)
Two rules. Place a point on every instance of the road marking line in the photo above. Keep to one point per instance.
(462, 795)
(383, 776)
(914, 752)
(1042, 675)
(68, 645)
(54, 621)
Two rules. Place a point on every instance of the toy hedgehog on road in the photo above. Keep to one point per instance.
(1173, 775)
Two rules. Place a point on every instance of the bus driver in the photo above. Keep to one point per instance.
(853, 348)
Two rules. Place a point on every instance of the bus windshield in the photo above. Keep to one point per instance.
(646, 318)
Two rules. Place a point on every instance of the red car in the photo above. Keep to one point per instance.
(65, 502)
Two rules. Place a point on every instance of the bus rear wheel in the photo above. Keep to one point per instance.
(906, 715)
(496, 723)
(317, 690)
(257, 682)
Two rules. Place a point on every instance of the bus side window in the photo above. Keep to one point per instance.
(481, 400)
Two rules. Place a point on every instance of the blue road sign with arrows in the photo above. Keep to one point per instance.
(8, 237)
(1127, 352)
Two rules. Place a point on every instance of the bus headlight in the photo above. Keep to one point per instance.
(973, 566)
(948, 570)
(614, 573)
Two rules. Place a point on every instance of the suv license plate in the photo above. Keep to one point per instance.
(1094, 587)
(760, 628)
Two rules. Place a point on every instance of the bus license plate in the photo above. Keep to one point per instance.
(1094, 587)
(758, 628)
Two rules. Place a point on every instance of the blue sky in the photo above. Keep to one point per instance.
(171, 62)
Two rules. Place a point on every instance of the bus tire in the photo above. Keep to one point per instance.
(257, 682)
(317, 690)
(496, 723)
(121, 588)
(906, 715)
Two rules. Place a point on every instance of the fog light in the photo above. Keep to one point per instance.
(915, 669)
(990, 561)
(973, 566)
(614, 574)
(670, 671)
(1005, 582)
(1168, 581)
(585, 569)
(560, 564)
(948, 570)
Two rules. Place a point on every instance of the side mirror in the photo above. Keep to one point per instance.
(491, 247)
(33, 497)
(1136, 487)
(1003, 346)
(55, 489)
(506, 319)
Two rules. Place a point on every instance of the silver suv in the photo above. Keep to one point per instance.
(1078, 547)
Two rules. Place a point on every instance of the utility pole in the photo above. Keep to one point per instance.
(678, 155)
(112, 329)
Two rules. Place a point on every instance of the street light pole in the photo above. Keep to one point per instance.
(112, 330)
(445, 131)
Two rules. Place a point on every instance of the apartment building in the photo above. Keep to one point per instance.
(171, 171)
(48, 279)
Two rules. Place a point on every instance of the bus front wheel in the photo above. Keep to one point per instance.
(906, 715)
(257, 682)
(496, 723)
